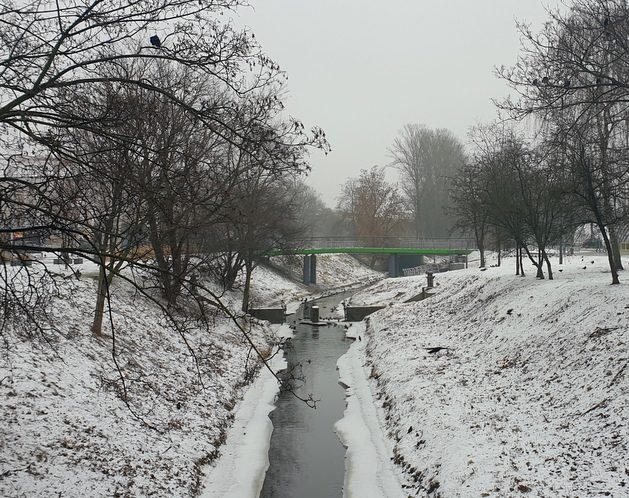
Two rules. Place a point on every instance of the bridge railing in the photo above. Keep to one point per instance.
(406, 242)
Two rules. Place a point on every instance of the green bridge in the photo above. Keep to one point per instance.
(403, 252)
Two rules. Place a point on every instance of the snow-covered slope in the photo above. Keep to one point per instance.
(334, 271)
(66, 430)
(529, 395)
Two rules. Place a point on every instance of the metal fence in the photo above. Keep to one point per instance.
(398, 242)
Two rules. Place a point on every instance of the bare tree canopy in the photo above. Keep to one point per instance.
(426, 160)
(129, 131)
(580, 58)
(373, 207)
(52, 51)
(574, 78)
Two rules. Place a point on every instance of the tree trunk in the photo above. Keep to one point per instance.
(101, 296)
(517, 259)
(613, 240)
(479, 234)
(246, 290)
(598, 214)
(540, 265)
(561, 251)
(548, 266)
(537, 264)
(610, 255)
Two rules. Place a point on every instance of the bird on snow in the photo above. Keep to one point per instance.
(435, 349)
(584, 268)
(155, 41)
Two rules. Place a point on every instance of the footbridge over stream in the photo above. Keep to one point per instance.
(403, 252)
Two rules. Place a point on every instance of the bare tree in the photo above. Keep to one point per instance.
(592, 186)
(58, 59)
(53, 49)
(467, 205)
(427, 159)
(373, 206)
(579, 59)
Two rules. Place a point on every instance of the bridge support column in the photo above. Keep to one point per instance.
(310, 269)
(398, 262)
(393, 265)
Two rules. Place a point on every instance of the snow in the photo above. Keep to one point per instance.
(241, 469)
(389, 291)
(530, 393)
(368, 469)
(335, 272)
(66, 430)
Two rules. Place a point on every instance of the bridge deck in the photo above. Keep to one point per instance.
(370, 250)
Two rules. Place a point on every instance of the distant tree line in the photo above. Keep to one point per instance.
(418, 205)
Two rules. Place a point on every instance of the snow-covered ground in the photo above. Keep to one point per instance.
(496, 386)
(335, 272)
(369, 472)
(530, 393)
(240, 470)
(67, 432)
(66, 429)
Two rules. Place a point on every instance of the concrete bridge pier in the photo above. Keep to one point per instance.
(310, 269)
(393, 265)
(398, 262)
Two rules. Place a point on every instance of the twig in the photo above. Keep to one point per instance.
(125, 397)
(622, 369)
(597, 405)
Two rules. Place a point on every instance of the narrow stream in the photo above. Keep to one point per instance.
(306, 457)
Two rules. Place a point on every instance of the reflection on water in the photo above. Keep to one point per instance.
(306, 457)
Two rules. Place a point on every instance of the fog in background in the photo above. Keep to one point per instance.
(363, 69)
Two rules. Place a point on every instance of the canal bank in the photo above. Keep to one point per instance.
(369, 471)
(303, 455)
(241, 467)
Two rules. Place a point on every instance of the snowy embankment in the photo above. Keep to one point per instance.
(369, 472)
(501, 385)
(335, 272)
(66, 429)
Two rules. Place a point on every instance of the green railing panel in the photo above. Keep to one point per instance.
(369, 250)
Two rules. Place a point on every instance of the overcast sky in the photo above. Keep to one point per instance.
(362, 69)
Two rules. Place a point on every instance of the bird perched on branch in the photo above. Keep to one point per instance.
(155, 41)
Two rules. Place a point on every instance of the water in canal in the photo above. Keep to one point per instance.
(306, 456)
